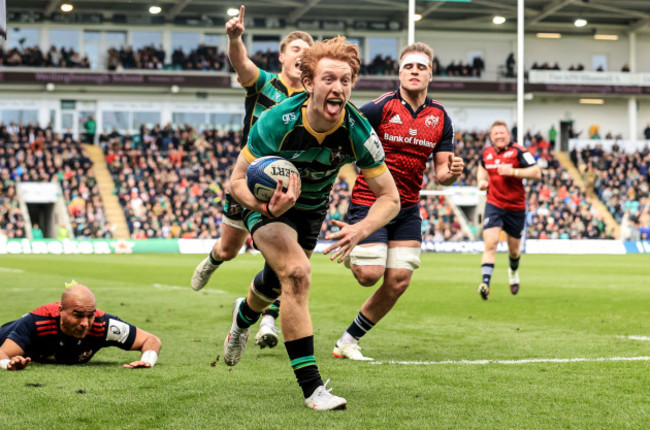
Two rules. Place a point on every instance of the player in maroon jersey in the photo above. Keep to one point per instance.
(71, 332)
(412, 127)
(503, 166)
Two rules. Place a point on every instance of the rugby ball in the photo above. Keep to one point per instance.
(262, 176)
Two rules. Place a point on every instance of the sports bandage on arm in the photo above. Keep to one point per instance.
(150, 357)
(4, 364)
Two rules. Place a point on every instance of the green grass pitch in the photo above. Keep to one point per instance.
(569, 307)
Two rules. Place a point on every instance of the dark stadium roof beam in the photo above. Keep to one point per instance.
(173, 12)
(549, 10)
(431, 9)
(390, 4)
(300, 11)
(639, 25)
(51, 7)
(616, 10)
(476, 22)
(498, 5)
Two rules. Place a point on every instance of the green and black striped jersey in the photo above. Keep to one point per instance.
(284, 131)
(262, 93)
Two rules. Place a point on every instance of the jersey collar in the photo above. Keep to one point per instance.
(320, 136)
(290, 90)
(427, 102)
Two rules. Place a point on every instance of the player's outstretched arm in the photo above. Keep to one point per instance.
(11, 356)
(149, 344)
(237, 53)
(381, 212)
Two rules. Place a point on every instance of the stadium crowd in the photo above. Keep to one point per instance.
(34, 57)
(171, 181)
(622, 182)
(29, 153)
(203, 58)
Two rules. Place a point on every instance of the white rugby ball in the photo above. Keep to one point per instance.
(262, 175)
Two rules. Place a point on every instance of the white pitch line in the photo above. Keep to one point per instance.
(7, 269)
(638, 338)
(523, 361)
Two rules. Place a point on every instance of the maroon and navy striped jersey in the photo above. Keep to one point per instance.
(506, 192)
(39, 334)
(409, 139)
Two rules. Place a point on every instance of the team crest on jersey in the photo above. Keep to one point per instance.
(85, 356)
(509, 154)
(396, 120)
(288, 117)
(431, 121)
(337, 157)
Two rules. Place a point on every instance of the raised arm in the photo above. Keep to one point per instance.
(149, 344)
(11, 356)
(237, 53)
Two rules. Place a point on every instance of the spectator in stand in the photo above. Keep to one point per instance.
(646, 132)
(478, 66)
(37, 233)
(91, 128)
(552, 135)
(510, 66)
(625, 68)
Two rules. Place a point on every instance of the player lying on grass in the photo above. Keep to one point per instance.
(71, 332)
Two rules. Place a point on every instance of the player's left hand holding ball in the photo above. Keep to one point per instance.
(283, 200)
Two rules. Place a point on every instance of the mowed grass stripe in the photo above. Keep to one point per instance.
(568, 306)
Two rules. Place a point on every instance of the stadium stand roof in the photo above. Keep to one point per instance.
(621, 16)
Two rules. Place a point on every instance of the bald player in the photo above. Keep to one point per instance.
(71, 332)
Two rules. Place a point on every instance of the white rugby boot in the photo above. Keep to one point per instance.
(484, 290)
(202, 274)
(323, 400)
(351, 351)
(513, 277)
(268, 335)
(237, 339)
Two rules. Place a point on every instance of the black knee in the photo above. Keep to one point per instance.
(267, 284)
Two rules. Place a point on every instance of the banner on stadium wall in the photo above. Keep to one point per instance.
(87, 246)
(638, 247)
(203, 246)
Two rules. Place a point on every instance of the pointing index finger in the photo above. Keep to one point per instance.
(242, 9)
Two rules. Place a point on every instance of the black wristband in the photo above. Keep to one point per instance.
(268, 211)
